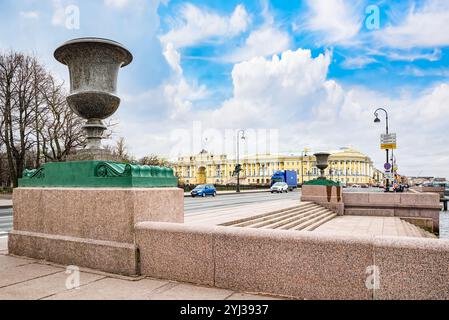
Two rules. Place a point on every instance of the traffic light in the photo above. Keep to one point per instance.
(237, 169)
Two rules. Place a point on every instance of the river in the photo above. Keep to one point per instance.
(444, 225)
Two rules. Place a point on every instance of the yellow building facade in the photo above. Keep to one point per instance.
(346, 165)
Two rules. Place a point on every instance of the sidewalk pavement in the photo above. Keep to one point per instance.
(28, 279)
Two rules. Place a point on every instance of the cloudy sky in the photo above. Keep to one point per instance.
(310, 73)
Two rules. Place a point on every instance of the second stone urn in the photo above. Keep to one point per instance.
(93, 64)
(322, 159)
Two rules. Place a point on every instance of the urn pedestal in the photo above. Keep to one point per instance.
(89, 227)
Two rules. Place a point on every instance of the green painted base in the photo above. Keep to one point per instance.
(98, 174)
(322, 182)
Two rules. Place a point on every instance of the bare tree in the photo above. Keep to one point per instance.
(154, 160)
(58, 127)
(36, 125)
(120, 150)
(16, 94)
(39, 87)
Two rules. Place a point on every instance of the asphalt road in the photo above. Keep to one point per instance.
(194, 205)
(5, 221)
(191, 205)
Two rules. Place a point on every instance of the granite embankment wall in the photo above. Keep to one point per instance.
(295, 264)
(413, 206)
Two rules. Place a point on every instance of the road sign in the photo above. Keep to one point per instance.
(388, 175)
(388, 141)
(387, 166)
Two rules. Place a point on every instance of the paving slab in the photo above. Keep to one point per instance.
(112, 289)
(184, 291)
(3, 244)
(43, 287)
(7, 262)
(248, 296)
(361, 225)
(22, 273)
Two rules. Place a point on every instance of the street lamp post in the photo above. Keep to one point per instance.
(377, 120)
(238, 157)
(303, 154)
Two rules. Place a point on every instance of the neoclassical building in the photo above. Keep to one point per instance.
(346, 165)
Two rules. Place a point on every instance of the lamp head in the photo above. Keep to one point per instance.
(377, 120)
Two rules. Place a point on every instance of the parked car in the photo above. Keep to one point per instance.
(204, 190)
(356, 186)
(279, 187)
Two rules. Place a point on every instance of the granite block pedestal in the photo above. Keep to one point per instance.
(89, 227)
(329, 196)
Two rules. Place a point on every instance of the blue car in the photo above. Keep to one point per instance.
(204, 190)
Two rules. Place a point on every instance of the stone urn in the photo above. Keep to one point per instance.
(322, 163)
(93, 64)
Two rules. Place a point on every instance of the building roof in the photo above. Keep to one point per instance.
(348, 152)
(342, 153)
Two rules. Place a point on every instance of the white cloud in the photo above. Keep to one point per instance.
(411, 56)
(357, 62)
(265, 41)
(173, 58)
(295, 73)
(423, 27)
(195, 25)
(262, 42)
(181, 96)
(335, 21)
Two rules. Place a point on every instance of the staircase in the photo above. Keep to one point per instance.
(307, 217)
(410, 230)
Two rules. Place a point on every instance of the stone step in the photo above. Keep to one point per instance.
(406, 227)
(421, 232)
(240, 222)
(414, 231)
(411, 232)
(325, 219)
(305, 217)
(402, 228)
(428, 234)
(274, 217)
(276, 223)
(311, 221)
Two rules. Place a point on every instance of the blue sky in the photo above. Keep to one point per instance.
(210, 63)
